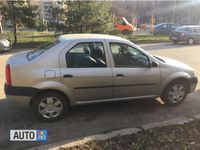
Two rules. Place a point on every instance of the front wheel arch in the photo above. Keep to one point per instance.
(192, 39)
(177, 79)
(183, 80)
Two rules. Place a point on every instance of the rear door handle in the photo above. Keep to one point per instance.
(67, 76)
(119, 75)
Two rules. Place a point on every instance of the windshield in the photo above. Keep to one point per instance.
(35, 53)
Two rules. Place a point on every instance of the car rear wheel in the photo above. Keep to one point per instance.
(175, 93)
(175, 41)
(125, 32)
(190, 41)
(50, 106)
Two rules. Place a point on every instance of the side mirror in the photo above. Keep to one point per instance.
(154, 64)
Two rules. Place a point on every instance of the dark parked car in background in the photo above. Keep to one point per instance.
(189, 34)
(165, 28)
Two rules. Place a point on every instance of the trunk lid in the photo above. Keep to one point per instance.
(18, 58)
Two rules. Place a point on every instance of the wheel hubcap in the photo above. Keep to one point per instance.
(50, 107)
(176, 93)
(190, 41)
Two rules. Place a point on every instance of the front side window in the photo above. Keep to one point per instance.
(127, 56)
(173, 26)
(86, 55)
(196, 30)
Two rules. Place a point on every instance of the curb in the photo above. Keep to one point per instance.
(121, 132)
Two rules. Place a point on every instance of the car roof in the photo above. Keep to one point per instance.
(69, 37)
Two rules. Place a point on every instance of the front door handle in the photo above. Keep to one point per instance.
(119, 75)
(67, 76)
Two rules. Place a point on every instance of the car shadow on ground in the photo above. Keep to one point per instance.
(140, 105)
(167, 46)
(80, 121)
(86, 120)
(25, 115)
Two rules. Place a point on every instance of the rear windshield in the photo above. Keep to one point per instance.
(35, 53)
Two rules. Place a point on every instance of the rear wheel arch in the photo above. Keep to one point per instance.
(46, 91)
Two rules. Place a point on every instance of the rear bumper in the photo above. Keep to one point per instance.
(20, 91)
(19, 96)
(193, 83)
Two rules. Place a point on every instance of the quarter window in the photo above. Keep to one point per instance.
(127, 56)
(86, 55)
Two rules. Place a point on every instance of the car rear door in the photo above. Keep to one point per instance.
(133, 76)
(85, 69)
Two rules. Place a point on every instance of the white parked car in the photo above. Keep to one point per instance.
(4, 44)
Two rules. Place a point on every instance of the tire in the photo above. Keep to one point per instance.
(175, 93)
(125, 32)
(50, 106)
(175, 41)
(190, 41)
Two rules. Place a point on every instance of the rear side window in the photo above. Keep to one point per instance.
(165, 26)
(35, 53)
(86, 55)
(185, 29)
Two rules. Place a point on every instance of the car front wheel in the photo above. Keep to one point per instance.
(175, 92)
(190, 41)
(50, 106)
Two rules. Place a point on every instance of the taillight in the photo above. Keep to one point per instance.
(8, 75)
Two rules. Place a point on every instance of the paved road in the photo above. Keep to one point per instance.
(92, 119)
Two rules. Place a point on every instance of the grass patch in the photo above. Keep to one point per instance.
(179, 137)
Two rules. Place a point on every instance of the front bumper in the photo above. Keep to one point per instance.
(178, 38)
(193, 83)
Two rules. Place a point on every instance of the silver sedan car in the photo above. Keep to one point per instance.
(80, 69)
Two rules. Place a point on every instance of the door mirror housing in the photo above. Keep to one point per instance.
(154, 64)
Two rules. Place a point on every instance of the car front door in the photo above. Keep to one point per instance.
(133, 74)
(196, 34)
(85, 70)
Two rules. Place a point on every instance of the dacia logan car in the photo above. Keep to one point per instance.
(91, 68)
